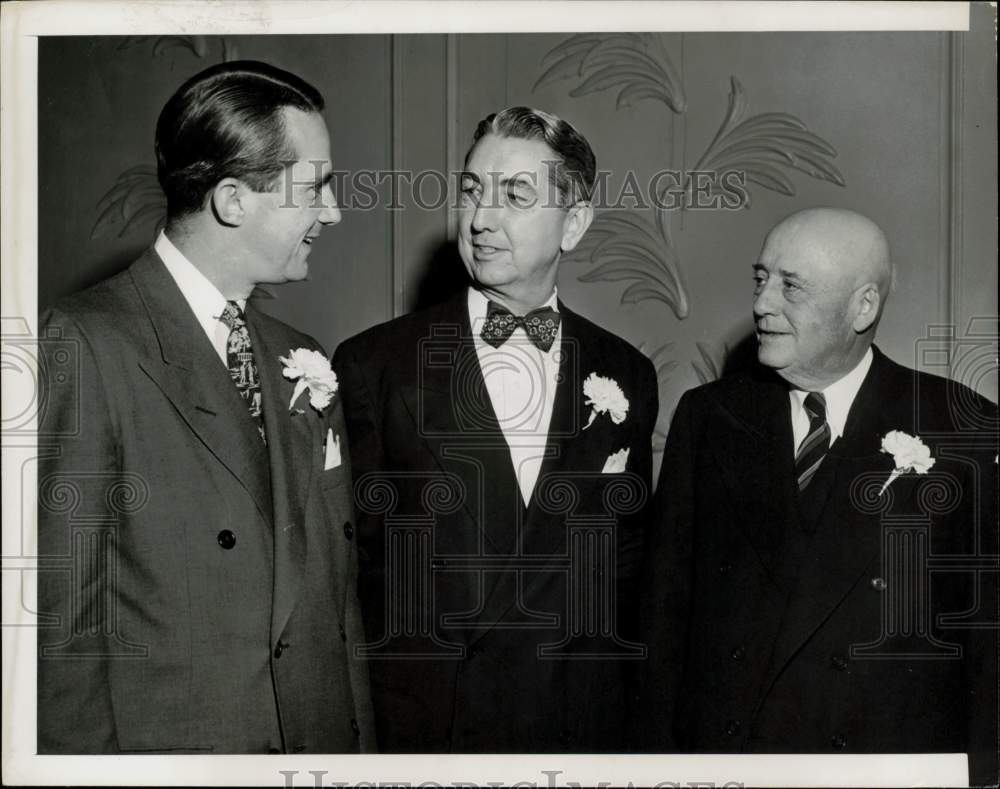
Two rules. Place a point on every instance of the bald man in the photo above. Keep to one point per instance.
(795, 602)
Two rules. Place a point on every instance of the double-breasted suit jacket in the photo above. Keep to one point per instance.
(506, 627)
(839, 620)
(197, 588)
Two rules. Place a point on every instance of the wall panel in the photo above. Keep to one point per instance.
(911, 118)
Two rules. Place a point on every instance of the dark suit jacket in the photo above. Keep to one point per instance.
(197, 590)
(847, 622)
(474, 646)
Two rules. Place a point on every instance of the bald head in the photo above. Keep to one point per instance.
(843, 242)
(822, 280)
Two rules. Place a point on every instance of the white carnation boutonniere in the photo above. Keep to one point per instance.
(310, 370)
(604, 395)
(908, 452)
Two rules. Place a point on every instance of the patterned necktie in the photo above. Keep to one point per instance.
(813, 448)
(540, 326)
(239, 359)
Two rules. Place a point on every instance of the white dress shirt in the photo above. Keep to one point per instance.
(521, 382)
(204, 299)
(839, 398)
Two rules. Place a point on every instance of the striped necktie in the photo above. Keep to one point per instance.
(239, 359)
(813, 448)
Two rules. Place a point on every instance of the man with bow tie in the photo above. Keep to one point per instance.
(197, 584)
(822, 567)
(502, 451)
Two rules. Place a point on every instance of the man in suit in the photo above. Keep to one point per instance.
(801, 596)
(502, 451)
(198, 569)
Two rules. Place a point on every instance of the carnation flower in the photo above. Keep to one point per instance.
(312, 371)
(604, 395)
(908, 452)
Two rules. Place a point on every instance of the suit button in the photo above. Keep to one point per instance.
(839, 662)
(838, 742)
(274, 750)
(298, 749)
(725, 568)
(343, 635)
(879, 584)
(348, 530)
(226, 539)
(733, 727)
(279, 649)
(355, 728)
(738, 653)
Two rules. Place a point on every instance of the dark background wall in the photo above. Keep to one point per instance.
(906, 121)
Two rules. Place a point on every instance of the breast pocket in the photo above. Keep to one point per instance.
(333, 478)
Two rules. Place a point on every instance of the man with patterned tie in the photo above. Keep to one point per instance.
(822, 562)
(502, 451)
(215, 610)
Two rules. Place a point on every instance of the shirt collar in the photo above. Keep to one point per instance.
(205, 300)
(478, 304)
(840, 395)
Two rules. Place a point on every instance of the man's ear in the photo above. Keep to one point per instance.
(578, 219)
(866, 306)
(227, 202)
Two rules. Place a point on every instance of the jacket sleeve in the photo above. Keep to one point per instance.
(640, 463)
(665, 584)
(365, 441)
(641, 456)
(78, 464)
(983, 645)
(363, 428)
(353, 623)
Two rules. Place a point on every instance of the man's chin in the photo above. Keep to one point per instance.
(768, 355)
(297, 271)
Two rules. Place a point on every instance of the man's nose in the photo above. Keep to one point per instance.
(485, 217)
(330, 215)
(764, 302)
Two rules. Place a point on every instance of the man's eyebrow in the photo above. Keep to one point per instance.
(319, 183)
(781, 272)
(516, 180)
(519, 179)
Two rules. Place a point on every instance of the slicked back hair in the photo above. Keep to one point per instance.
(227, 122)
(577, 169)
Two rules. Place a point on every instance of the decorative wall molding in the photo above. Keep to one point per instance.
(452, 151)
(637, 63)
(135, 199)
(953, 143)
(762, 145)
(623, 246)
(397, 130)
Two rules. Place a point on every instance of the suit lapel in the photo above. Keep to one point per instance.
(569, 448)
(190, 374)
(847, 537)
(574, 454)
(750, 435)
(294, 444)
(453, 414)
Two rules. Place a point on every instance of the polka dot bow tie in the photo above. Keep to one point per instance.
(540, 326)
